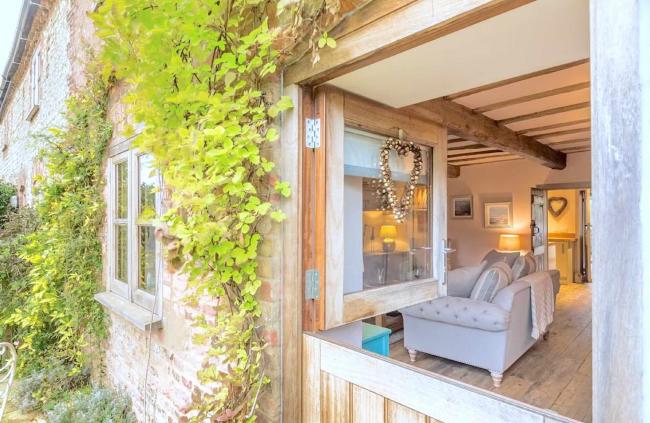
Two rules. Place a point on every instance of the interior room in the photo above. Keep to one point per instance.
(519, 208)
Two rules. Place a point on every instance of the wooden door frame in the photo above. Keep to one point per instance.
(323, 216)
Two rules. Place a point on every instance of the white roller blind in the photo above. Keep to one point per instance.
(361, 157)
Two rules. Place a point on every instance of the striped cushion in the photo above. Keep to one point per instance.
(492, 280)
(524, 265)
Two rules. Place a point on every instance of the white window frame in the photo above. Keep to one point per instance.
(34, 84)
(130, 290)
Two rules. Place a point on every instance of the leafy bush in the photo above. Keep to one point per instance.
(48, 385)
(57, 316)
(6, 192)
(100, 405)
(14, 271)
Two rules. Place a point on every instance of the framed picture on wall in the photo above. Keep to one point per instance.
(498, 215)
(461, 207)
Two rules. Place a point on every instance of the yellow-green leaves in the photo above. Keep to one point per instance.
(326, 40)
(201, 75)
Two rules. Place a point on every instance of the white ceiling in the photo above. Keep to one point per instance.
(537, 36)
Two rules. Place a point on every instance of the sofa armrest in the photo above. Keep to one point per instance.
(506, 296)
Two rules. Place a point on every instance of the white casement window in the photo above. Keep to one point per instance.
(134, 253)
(34, 84)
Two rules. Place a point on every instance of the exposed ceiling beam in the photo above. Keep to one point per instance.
(547, 112)
(488, 160)
(560, 133)
(466, 147)
(483, 130)
(477, 153)
(453, 171)
(565, 142)
(515, 79)
(554, 126)
(531, 97)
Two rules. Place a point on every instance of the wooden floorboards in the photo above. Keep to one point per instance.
(554, 374)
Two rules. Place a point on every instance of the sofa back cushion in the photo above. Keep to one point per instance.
(461, 281)
(524, 265)
(493, 279)
(494, 256)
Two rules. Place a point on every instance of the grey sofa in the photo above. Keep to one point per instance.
(490, 335)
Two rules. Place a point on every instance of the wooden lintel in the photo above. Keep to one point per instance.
(389, 27)
(481, 129)
(453, 171)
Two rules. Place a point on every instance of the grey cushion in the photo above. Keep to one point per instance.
(494, 256)
(462, 312)
(461, 281)
(493, 279)
(524, 265)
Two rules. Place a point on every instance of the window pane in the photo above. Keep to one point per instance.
(147, 259)
(121, 190)
(147, 193)
(378, 249)
(121, 253)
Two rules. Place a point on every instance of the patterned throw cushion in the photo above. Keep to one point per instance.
(524, 265)
(492, 280)
(494, 256)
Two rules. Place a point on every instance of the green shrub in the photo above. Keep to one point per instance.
(14, 271)
(100, 405)
(6, 192)
(50, 384)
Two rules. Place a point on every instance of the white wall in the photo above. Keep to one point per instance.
(504, 181)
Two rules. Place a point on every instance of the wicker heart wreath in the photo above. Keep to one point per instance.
(386, 190)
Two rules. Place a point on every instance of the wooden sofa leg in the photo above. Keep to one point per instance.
(413, 354)
(496, 378)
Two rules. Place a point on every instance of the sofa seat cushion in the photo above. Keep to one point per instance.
(462, 312)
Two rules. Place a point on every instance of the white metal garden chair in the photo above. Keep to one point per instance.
(7, 369)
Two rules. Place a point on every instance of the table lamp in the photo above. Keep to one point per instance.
(509, 242)
(388, 233)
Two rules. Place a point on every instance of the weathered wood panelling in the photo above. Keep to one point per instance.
(348, 385)
(620, 69)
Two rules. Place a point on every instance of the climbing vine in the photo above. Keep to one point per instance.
(199, 75)
(56, 317)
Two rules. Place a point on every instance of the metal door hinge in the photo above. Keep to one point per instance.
(313, 133)
(312, 284)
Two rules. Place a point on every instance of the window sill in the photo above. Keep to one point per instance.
(140, 317)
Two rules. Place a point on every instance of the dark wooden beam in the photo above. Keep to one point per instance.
(453, 171)
(531, 97)
(483, 130)
(515, 79)
(547, 112)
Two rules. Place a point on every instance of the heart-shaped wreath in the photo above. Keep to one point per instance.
(386, 190)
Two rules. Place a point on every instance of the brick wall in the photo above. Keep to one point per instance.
(156, 369)
(19, 143)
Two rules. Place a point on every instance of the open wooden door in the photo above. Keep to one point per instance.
(538, 227)
(359, 259)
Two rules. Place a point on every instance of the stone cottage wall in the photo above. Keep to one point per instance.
(156, 369)
(18, 144)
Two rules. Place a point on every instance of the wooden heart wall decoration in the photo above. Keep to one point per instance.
(557, 205)
(386, 191)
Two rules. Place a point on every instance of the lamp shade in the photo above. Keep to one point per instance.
(387, 231)
(509, 242)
